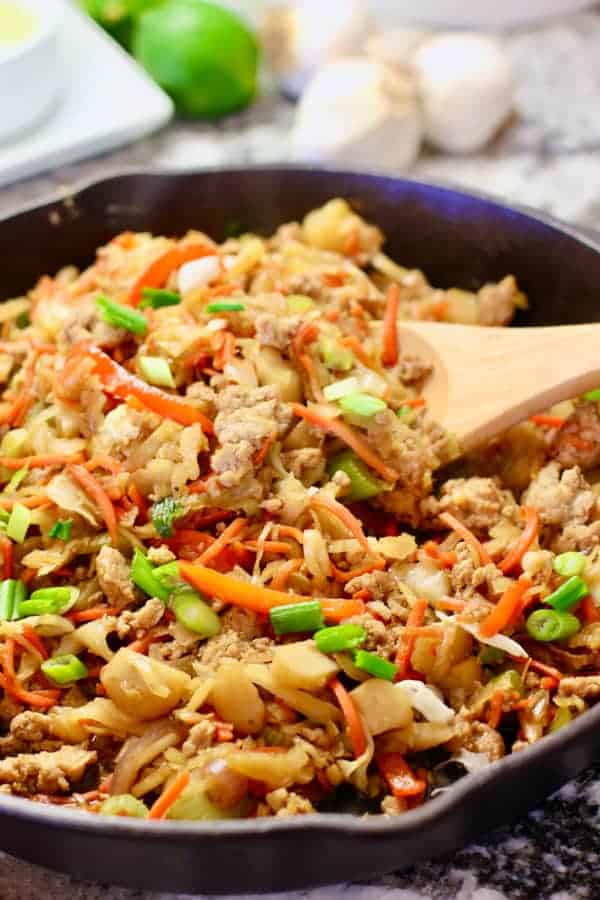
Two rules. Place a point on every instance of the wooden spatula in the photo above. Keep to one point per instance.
(486, 379)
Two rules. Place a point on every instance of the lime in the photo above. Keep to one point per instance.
(117, 16)
(201, 54)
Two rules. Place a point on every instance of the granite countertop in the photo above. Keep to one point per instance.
(547, 157)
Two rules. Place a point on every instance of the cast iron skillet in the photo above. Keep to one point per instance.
(458, 240)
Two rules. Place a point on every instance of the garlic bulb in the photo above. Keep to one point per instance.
(360, 112)
(299, 38)
(465, 84)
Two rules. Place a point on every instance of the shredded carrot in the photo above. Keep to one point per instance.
(344, 577)
(349, 436)
(221, 290)
(334, 508)
(109, 463)
(524, 542)
(261, 455)
(267, 546)
(415, 619)
(7, 556)
(91, 614)
(306, 334)
(225, 538)
(138, 499)
(157, 272)
(352, 716)
(495, 711)
(34, 640)
(37, 462)
(336, 609)
(232, 590)
(414, 402)
(29, 574)
(507, 608)
(450, 604)
(282, 576)
(364, 594)
(549, 683)
(428, 631)
(353, 343)
(389, 356)
(547, 421)
(334, 279)
(578, 442)
(96, 492)
(36, 502)
(11, 685)
(589, 611)
(226, 351)
(308, 365)
(189, 537)
(399, 776)
(290, 531)
(447, 559)
(25, 398)
(467, 536)
(168, 797)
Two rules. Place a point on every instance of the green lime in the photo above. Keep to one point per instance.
(117, 16)
(201, 54)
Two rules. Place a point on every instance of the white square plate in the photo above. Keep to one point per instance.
(107, 100)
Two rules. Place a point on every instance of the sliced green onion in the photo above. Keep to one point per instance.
(167, 572)
(568, 594)
(359, 404)
(124, 805)
(156, 297)
(293, 617)
(7, 599)
(49, 601)
(194, 613)
(375, 665)
(568, 564)
(18, 523)
(121, 316)
(491, 656)
(335, 356)
(552, 625)
(142, 574)
(16, 480)
(592, 395)
(61, 530)
(299, 303)
(221, 306)
(157, 370)
(362, 483)
(64, 669)
(563, 717)
(404, 410)
(20, 596)
(163, 515)
(339, 638)
(340, 389)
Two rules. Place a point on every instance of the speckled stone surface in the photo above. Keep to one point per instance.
(549, 158)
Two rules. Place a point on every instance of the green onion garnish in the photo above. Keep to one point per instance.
(20, 596)
(568, 594)
(221, 306)
(61, 530)
(157, 370)
(293, 617)
(362, 483)
(124, 805)
(64, 669)
(49, 601)
(18, 523)
(168, 571)
(194, 613)
(16, 480)
(568, 564)
(155, 297)
(339, 638)
(403, 411)
(552, 625)
(375, 665)
(359, 404)
(142, 574)
(163, 515)
(7, 599)
(592, 395)
(121, 316)
(491, 656)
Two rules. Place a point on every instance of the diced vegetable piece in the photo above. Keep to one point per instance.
(124, 805)
(221, 306)
(156, 297)
(157, 370)
(164, 513)
(404, 411)
(592, 395)
(375, 665)
(275, 769)
(363, 483)
(16, 480)
(49, 601)
(169, 572)
(339, 389)
(562, 717)
(335, 356)
(121, 316)
(552, 625)
(237, 700)
(299, 303)
(143, 687)
(271, 368)
(339, 638)
(61, 530)
(302, 665)
(193, 805)
(64, 669)
(297, 617)
(568, 594)
(569, 564)
(382, 705)
(509, 682)
(194, 613)
(18, 523)
(142, 574)
(426, 580)
(364, 405)
(7, 599)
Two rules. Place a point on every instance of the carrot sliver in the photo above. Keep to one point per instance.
(232, 590)
(524, 542)
(91, 614)
(34, 640)
(6, 545)
(389, 356)
(96, 492)
(351, 715)
(399, 776)
(261, 455)
(336, 609)
(157, 272)
(37, 462)
(282, 576)
(495, 711)
(323, 501)
(447, 559)
(506, 610)
(168, 797)
(589, 611)
(415, 619)
(353, 343)
(468, 537)
(547, 421)
(224, 539)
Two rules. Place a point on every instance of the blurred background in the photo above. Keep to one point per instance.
(497, 96)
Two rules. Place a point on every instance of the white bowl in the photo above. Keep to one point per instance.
(30, 71)
(474, 13)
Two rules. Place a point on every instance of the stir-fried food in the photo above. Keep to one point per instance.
(244, 573)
